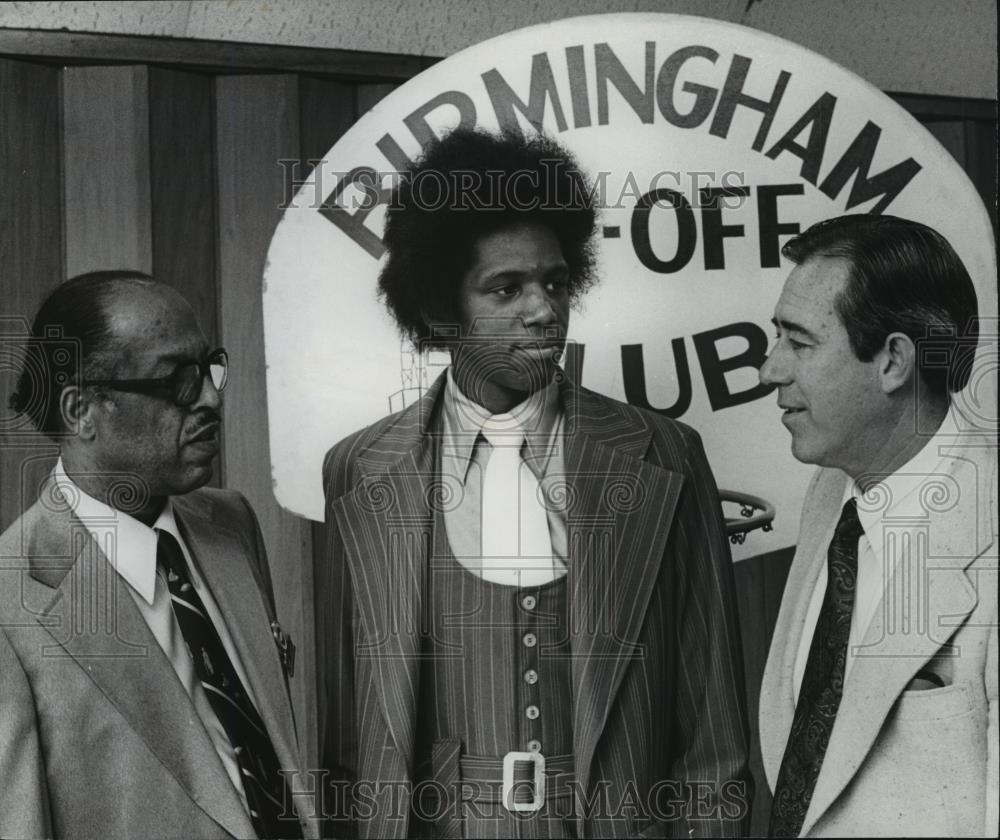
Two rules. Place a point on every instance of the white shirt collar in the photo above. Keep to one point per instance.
(129, 545)
(536, 417)
(898, 495)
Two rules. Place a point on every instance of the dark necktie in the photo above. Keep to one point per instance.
(822, 682)
(262, 782)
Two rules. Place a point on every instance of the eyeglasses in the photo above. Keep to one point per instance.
(184, 384)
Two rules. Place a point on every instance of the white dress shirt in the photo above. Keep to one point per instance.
(883, 512)
(463, 463)
(130, 547)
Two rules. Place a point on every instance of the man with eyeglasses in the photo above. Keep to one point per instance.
(142, 692)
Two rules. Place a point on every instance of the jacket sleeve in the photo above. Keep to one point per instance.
(24, 796)
(711, 721)
(335, 656)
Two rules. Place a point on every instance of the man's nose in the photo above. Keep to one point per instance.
(774, 371)
(538, 309)
(209, 396)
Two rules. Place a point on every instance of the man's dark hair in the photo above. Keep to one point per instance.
(904, 277)
(468, 185)
(71, 334)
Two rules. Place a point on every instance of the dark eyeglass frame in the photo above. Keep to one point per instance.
(175, 382)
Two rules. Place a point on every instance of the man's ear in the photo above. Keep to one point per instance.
(77, 407)
(897, 362)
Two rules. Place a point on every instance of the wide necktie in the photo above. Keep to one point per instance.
(267, 795)
(822, 682)
(516, 546)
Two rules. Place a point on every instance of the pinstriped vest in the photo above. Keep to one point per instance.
(495, 678)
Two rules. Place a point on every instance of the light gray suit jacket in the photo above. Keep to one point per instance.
(98, 737)
(902, 761)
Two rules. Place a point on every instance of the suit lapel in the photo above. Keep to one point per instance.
(926, 598)
(619, 510)
(777, 703)
(387, 527)
(221, 557)
(93, 619)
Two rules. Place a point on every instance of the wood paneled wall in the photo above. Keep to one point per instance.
(31, 255)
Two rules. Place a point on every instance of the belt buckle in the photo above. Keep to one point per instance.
(509, 760)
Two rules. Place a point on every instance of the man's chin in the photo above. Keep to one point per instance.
(194, 476)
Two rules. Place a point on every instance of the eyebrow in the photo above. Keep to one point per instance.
(792, 326)
(513, 272)
(179, 357)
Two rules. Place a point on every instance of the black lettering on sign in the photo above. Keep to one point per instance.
(393, 153)
(416, 120)
(713, 230)
(817, 119)
(353, 223)
(714, 369)
(857, 161)
(687, 233)
(704, 96)
(732, 96)
(609, 68)
(768, 227)
(634, 379)
(506, 102)
(577, 70)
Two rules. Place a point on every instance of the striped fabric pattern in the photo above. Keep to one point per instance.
(474, 693)
(657, 676)
(262, 782)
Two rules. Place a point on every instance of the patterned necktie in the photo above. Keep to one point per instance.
(263, 784)
(822, 682)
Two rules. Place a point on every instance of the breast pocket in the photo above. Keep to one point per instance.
(937, 703)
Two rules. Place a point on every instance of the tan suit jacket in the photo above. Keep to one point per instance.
(98, 737)
(903, 760)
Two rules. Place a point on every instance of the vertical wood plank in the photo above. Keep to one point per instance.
(981, 162)
(182, 181)
(951, 135)
(106, 166)
(368, 95)
(31, 256)
(327, 111)
(256, 125)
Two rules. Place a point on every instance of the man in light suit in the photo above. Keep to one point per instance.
(142, 693)
(878, 710)
(526, 614)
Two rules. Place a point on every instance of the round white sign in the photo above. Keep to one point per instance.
(709, 145)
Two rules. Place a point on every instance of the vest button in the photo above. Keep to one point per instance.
(528, 602)
(534, 746)
(532, 712)
(531, 676)
(530, 640)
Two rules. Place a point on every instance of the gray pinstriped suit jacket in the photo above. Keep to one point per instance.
(657, 673)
